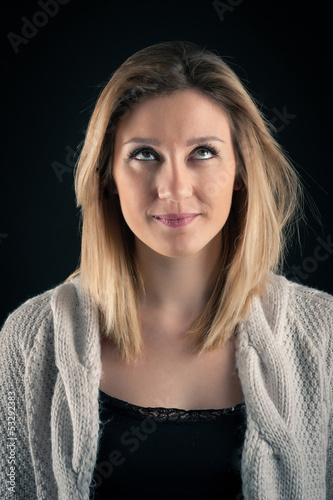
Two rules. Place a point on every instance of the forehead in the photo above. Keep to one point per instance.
(178, 115)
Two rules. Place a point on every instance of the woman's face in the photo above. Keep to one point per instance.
(174, 170)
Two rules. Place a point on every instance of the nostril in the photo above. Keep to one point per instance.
(175, 191)
(165, 194)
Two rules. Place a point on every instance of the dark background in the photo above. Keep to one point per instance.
(281, 52)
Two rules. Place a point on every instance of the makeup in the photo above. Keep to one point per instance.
(176, 220)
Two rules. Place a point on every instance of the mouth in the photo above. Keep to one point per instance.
(176, 220)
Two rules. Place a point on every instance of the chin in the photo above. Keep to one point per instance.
(185, 251)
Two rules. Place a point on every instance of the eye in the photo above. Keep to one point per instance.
(204, 153)
(143, 154)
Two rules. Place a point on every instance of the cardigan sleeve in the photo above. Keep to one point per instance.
(329, 468)
(27, 373)
(312, 314)
(16, 468)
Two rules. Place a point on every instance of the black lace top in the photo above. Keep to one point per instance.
(168, 453)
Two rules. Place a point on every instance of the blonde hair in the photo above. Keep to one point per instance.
(257, 228)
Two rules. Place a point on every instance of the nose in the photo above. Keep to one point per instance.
(174, 181)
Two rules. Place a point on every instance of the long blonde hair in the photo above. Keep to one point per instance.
(257, 228)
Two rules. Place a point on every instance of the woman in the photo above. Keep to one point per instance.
(176, 362)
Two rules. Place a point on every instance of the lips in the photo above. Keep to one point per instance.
(176, 220)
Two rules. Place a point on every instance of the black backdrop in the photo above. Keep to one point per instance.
(59, 53)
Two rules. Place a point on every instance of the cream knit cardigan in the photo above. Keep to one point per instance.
(50, 361)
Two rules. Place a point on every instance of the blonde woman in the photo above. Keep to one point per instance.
(177, 362)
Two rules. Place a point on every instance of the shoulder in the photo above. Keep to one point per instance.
(286, 309)
(312, 294)
(302, 301)
(299, 311)
(23, 324)
(289, 318)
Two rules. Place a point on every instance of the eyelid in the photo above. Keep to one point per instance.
(209, 147)
(133, 153)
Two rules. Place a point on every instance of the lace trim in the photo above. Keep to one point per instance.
(161, 414)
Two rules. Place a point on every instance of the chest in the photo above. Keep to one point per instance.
(173, 379)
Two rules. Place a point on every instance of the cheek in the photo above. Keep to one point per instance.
(133, 196)
(219, 183)
(131, 210)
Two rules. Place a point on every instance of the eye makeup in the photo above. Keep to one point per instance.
(145, 148)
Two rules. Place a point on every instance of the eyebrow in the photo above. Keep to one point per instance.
(155, 142)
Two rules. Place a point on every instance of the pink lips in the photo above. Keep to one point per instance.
(176, 220)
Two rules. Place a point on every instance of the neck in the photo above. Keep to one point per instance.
(179, 286)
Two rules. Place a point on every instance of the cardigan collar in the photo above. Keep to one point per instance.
(266, 381)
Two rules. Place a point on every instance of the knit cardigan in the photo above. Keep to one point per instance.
(50, 370)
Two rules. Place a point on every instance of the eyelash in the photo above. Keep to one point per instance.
(209, 147)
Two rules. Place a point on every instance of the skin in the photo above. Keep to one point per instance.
(179, 265)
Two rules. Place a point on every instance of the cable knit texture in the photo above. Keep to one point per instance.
(50, 359)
